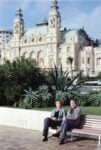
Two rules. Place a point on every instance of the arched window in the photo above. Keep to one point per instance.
(32, 55)
(41, 62)
(83, 60)
(25, 40)
(51, 62)
(40, 59)
(68, 49)
(25, 55)
(60, 61)
(40, 39)
(32, 39)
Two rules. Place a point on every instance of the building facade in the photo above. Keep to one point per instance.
(5, 36)
(48, 44)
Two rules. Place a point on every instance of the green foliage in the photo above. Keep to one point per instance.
(99, 75)
(17, 76)
(95, 98)
(91, 110)
(30, 97)
(39, 98)
(62, 96)
(70, 60)
(60, 80)
(44, 95)
(45, 87)
(90, 99)
(62, 85)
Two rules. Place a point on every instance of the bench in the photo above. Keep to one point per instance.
(89, 125)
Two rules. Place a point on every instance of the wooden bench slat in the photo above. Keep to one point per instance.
(99, 121)
(93, 116)
(85, 131)
(89, 125)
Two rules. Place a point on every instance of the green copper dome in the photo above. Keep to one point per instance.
(37, 31)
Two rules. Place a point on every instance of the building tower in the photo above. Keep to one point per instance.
(54, 20)
(54, 36)
(18, 26)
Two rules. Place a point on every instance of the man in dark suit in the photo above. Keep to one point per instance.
(55, 120)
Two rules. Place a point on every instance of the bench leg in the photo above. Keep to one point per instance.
(99, 141)
(71, 137)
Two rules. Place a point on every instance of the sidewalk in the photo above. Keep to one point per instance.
(12, 138)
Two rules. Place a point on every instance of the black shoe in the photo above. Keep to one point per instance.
(56, 134)
(61, 142)
(45, 139)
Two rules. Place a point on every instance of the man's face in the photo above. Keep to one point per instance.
(72, 104)
(58, 104)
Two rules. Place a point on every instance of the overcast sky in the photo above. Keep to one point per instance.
(74, 13)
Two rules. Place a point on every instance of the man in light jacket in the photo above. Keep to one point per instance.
(71, 121)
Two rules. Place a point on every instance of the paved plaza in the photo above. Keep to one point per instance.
(12, 138)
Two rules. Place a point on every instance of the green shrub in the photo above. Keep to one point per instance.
(44, 96)
(39, 98)
(17, 76)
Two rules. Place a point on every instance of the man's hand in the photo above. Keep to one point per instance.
(72, 118)
(53, 118)
(65, 118)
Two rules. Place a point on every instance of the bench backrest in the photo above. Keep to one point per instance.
(90, 121)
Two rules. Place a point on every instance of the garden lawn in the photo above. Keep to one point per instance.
(85, 110)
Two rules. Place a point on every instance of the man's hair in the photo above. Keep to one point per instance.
(57, 100)
(74, 100)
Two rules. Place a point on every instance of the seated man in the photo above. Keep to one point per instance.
(71, 121)
(55, 120)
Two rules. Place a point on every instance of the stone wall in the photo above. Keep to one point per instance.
(28, 119)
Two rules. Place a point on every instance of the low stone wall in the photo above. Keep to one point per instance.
(28, 119)
(25, 118)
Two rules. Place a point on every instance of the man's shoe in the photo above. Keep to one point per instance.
(56, 134)
(45, 139)
(61, 142)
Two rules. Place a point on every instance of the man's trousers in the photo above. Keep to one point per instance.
(48, 122)
(67, 125)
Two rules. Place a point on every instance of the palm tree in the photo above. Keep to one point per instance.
(30, 98)
(62, 83)
(44, 95)
(70, 61)
(58, 78)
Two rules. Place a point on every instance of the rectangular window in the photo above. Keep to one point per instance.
(98, 61)
(88, 61)
(68, 49)
(60, 61)
(83, 60)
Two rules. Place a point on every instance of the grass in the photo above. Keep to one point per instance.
(85, 110)
(90, 110)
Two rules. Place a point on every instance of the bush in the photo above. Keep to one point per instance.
(45, 87)
(17, 76)
(95, 98)
(44, 96)
(39, 98)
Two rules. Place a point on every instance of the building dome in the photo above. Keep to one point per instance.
(37, 31)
